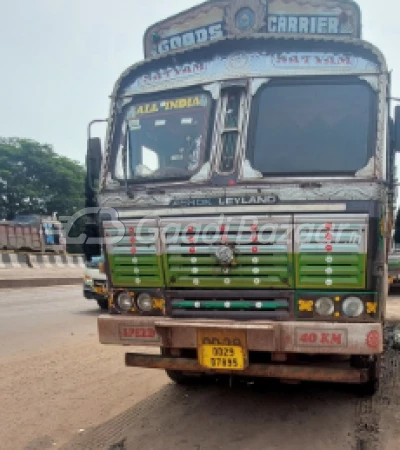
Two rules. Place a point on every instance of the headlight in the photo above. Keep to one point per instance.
(88, 281)
(124, 301)
(144, 302)
(324, 306)
(353, 307)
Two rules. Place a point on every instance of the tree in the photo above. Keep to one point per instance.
(36, 180)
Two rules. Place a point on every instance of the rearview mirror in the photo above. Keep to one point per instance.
(93, 168)
(397, 128)
(94, 157)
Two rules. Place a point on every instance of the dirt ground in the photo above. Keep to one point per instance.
(73, 393)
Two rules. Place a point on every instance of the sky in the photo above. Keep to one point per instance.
(61, 58)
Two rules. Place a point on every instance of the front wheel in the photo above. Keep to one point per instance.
(179, 378)
(371, 387)
(103, 304)
(368, 389)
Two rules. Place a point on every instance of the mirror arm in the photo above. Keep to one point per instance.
(89, 129)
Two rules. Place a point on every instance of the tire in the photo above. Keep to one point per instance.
(368, 389)
(178, 376)
(371, 387)
(103, 304)
(396, 337)
(184, 380)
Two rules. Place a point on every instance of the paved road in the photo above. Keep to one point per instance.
(41, 319)
(60, 389)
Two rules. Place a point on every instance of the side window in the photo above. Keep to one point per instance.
(231, 133)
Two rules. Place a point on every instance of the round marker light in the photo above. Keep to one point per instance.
(124, 301)
(144, 302)
(324, 306)
(353, 307)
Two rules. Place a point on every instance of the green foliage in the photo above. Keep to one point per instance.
(36, 180)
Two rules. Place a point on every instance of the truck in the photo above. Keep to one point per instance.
(244, 196)
(32, 233)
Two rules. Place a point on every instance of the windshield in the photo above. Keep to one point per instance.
(94, 263)
(167, 138)
(313, 128)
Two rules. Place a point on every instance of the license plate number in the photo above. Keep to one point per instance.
(222, 350)
(229, 358)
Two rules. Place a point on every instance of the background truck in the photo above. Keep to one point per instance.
(394, 270)
(246, 195)
(32, 233)
(95, 282)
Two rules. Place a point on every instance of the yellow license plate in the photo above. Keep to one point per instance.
(100, 290)
(222, 350)
(222, 357)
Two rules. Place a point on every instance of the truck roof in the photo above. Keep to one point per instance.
(216, 19)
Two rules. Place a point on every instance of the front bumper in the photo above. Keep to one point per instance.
(313, 338)
(90, 294)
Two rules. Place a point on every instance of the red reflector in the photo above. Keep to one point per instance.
(192, 250)
(131, 230)
(232, 183)
(328, 226)
(328, 237)
(133, 240)
(222, 228)
(254, 228)
(329, 248)
(254, 249)
(190, 229)
(191, 239)
(133, 250)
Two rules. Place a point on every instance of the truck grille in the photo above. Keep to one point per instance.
(232, 253)
(133, 251)
(261, 249)
(331, 252)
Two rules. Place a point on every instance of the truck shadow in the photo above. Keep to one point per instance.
(94, 311)
(253, 416)
(244, 416)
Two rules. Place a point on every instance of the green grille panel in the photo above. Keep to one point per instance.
(133, 255)
(136, 271)
(394, 263)
(331, 254)
(260, 262)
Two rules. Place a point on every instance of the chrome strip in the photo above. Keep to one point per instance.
(266, 209)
